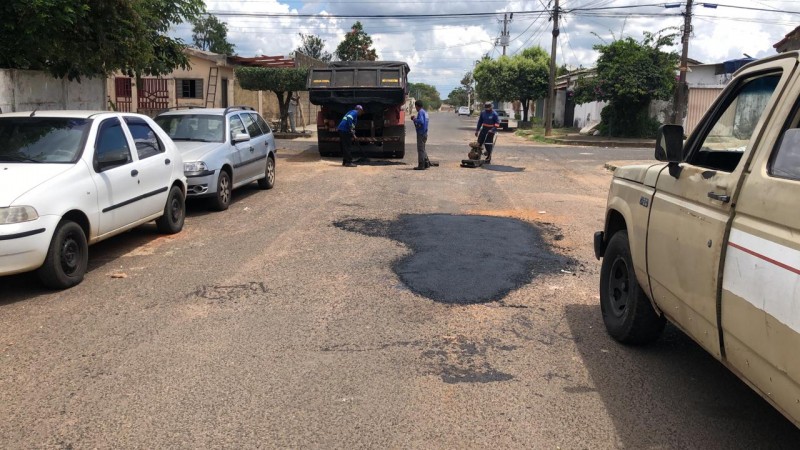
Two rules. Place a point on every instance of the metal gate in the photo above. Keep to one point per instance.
(122, 94)
(153, 95)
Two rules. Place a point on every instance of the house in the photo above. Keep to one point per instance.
(206, 83)
(790, 42)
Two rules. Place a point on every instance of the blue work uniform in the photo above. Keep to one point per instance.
(421, 124)
(347, 128)
(488, 123)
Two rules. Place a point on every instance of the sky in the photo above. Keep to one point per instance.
(441, 48)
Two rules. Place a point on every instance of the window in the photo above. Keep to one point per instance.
(190, 89)
(722, 146)
(252, 126)
(111, 148)
(785, 161)
(192, 127)
(42, 139)
(262, 123)
(147, 142)
(237, 127)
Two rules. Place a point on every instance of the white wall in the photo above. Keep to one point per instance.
(588, 113)
(26, 90)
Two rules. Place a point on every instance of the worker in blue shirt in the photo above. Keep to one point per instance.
(488, 123)
(347, 131)
(421, 124)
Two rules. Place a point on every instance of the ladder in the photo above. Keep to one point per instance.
(211, 89)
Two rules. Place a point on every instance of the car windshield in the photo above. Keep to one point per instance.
(193, 127)
(42, 139)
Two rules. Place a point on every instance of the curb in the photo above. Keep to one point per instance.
(592, 143)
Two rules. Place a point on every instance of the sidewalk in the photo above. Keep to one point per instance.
(604, 141)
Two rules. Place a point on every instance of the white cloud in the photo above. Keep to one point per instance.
(441, 50)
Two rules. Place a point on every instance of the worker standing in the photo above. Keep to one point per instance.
(488, 123)
(421, 124)
(347, 131)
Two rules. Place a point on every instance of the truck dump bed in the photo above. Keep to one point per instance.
(359, 82)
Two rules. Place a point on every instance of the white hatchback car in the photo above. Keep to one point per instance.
(73, 178)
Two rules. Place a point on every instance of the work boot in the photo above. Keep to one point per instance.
(421, 167)
(349, 164)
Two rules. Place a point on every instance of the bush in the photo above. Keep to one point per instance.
(628, 120)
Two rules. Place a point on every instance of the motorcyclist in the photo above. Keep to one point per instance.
(488, 123)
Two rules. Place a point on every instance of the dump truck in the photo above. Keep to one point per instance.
(380, 87)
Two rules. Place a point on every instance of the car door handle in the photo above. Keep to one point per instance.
(724, 198)
(167, 161)
(134, 172)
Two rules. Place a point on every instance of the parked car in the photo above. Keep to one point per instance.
(709, 238)
(463, 111)
(222, 149)
(73, 178)
(503, 119)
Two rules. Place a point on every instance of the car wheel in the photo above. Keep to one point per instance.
(627, 312)
(222, 200)
(268, 182)
(67, 257)
(174, 212)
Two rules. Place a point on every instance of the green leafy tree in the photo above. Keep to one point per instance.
(87, 38)
(356, 46)
(630, 75)
(458, 97)
(208, 33)
(313, 46)
(468, 84)
(284, 82)
(427, 93)
(512, 78)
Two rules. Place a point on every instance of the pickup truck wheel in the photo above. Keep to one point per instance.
(627, 312)
(67, 257)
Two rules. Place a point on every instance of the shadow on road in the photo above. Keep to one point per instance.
(501, 168)
(673, 394)
(464, 259)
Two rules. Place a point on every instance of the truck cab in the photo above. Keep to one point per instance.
(709, 237)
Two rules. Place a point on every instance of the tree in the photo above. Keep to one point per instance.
(427, 93)
(458, 97)
(284, 82)
(313, 46)
(630, 75)
(356, 46)
(87, 38)
(468, 84)
(208, 33)
(512, 78)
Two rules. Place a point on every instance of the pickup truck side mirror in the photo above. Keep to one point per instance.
(669, 144)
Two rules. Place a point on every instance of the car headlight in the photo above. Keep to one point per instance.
(18, 214)
(194, 167)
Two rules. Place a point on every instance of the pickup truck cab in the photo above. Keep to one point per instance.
(709, 238)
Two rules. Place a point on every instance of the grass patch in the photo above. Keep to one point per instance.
(536, 134)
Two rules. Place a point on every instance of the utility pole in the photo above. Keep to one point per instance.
(551, 90)
(504, 38)
(682, 90)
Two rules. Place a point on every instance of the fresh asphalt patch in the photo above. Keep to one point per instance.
(465, 259)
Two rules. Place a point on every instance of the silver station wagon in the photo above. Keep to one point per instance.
(222, 149)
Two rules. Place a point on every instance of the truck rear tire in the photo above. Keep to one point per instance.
(628, 315)
(329, 149)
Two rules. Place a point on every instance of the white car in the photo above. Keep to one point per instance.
(72, 178)
(222, 149)
(463, 111)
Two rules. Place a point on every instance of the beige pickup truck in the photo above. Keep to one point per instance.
(709, 238)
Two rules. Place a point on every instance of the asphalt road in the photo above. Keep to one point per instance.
(366, 307)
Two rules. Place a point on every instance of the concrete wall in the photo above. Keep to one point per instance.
(588, 114)
(26, 90)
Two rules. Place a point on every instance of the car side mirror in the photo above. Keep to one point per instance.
(241, 137)
(113, 158)
(669, 144)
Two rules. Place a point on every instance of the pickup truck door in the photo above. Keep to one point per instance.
(693, 203)
(760, 297)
